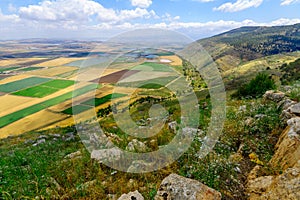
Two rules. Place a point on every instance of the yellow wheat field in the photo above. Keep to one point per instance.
(58, 62)
(54, 71)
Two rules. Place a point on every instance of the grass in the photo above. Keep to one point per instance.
(156, 83)
(45, 89)
(22, 84)
(153, 67)
(92, 103)
(10, 118)
(43, 171)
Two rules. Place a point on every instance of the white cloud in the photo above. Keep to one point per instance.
(141, 3)
(8, 18)
(288, 2)
(239, 5)
(78, 11)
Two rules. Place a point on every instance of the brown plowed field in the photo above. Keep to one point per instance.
(116, 76)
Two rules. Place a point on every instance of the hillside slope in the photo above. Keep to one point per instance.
(232, 48)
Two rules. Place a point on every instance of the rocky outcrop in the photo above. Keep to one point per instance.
(132, 196)
(287, 158)
(287, 151)
(285, 186)
(175, 187)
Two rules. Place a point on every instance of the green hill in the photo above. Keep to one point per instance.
(233, 48)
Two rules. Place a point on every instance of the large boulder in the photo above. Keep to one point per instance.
(132, 196)
(175, 187)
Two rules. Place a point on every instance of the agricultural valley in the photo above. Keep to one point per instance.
(50, 89)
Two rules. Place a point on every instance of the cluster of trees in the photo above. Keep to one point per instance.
(256, 87)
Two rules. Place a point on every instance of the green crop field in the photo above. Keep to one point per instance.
(156, 83)
(59, 84)
(10, 118)
(36, 91)
(45, 89)
(76, 109)
(153, 67)
(92, 103)
(22, 84)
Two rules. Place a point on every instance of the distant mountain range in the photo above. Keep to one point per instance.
(234, 47)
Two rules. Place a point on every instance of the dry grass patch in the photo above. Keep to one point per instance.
(55, 71)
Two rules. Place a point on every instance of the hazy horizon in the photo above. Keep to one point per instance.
(100, 20)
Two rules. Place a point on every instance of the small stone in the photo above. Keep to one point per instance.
(295, 109)
(132, 196)
(136, 145)
(172, 126)
(41, 141)
(274, 96)
(74, 155)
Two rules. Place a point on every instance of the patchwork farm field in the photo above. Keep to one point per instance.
(21, 84)
(92, 103)
(37, 93)
(8, 119)
(45, 89)
(58, 62)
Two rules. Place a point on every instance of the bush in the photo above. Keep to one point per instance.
(256, 88)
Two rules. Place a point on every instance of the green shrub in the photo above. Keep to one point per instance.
(256, 88)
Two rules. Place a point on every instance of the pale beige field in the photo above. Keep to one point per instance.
(51, 72)
(58, 62)
(92, 74)
(16, 61)
(176, 61)
(30, 123)
(147, 75)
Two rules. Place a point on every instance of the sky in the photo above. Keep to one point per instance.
(102, 19)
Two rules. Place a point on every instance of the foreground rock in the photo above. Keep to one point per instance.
(287, 151)
(285, 186)
(132, 196)
(287, 158)
(175, 187)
